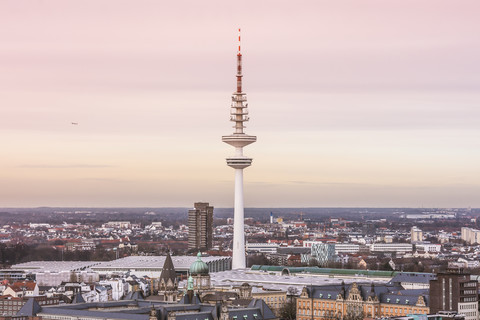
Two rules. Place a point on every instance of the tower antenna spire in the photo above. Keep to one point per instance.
(239, 43)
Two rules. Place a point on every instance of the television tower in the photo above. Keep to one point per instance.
(238, 115)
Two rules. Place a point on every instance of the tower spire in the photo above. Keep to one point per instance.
(239, 65)
(239, 42)
(239, 115)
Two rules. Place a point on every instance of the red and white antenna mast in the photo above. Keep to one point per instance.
(239, 64)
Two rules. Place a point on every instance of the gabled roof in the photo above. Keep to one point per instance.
(25, 285)
(29, 309)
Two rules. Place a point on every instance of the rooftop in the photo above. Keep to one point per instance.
(181, 263)
(55, 266)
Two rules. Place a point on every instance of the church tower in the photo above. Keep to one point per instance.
(168, 287)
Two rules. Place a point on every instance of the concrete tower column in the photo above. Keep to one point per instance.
(238, 258)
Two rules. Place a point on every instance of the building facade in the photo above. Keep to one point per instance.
(200, 226)
(416, 235)
(391, 247)
(470, 236)
(359, 301)
(454, 292)
(322, 253)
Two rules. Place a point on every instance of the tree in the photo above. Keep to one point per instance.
(289, 310)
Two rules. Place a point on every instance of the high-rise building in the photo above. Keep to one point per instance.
(200, 226)
(416, 235)
(454, 292)
(470, 235)
(239, 115)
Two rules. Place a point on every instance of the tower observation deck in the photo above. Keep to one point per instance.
(239, 139)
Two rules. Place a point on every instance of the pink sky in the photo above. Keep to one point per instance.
(355, 103)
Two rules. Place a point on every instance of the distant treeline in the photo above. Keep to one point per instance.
(21, 252)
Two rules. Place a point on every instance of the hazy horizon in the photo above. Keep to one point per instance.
(354, 103)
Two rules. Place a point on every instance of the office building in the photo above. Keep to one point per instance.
(321, 253)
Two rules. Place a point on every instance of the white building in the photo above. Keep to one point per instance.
(470, 236)
(119, 287)
(416, 235)
(429, 247)
(262, 247)
(391, 247)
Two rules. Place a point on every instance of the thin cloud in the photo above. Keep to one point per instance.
(66, 166)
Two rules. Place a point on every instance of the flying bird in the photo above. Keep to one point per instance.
(75, 123)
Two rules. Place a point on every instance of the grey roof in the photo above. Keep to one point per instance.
(140, 310)
(181, 263)
(55, 266)
(29, 309)
(413, 277)
(393, 294)
(120, 315)
(399, 299)
(279, 282)
(186, 299)
(293, 250)
(78, 298)
(263, 307)
(195, 316)
(134, 295)
(245, 314)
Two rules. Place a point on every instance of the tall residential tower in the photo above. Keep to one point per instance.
(239, 115)
(200, 226)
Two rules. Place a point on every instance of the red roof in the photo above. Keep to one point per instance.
(21, 286)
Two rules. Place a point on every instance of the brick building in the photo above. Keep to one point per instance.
(454, 291)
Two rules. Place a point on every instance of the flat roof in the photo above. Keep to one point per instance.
(279, 282)
(55, 266)
(181, 263)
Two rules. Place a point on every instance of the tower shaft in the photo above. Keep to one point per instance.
(238, 257)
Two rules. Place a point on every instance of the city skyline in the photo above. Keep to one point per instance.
(114, 104)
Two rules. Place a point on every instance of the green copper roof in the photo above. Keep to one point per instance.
(199, 267)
